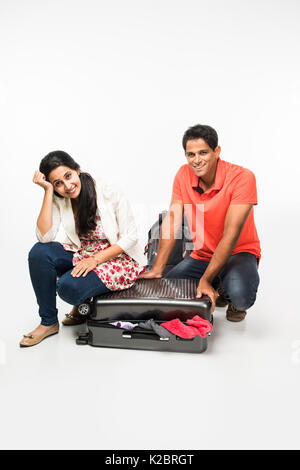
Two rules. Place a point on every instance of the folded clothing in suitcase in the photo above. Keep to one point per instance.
(159, 299)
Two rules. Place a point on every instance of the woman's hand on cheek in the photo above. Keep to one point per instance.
(84, 267)
(40, 179)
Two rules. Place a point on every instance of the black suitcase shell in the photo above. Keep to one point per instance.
(161, 299)
(104, 335)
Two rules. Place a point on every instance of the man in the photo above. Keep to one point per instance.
(217, 198)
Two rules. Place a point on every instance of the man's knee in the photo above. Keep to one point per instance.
(243, 302)
(242, 295)
(186, 269)
(176, 273)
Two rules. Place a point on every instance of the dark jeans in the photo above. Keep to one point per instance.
(47, 261)
(239, 277)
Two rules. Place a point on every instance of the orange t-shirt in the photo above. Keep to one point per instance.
(206, 212)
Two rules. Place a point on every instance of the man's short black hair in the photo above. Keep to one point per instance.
(200, 131)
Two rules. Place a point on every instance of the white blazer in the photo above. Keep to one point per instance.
(116, 217)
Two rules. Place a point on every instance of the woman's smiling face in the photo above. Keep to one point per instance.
(66, 182)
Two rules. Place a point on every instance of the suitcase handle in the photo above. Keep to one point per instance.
(129, 335)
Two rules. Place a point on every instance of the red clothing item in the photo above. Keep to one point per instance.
(197, 326)
(206, 212)
(203, 326)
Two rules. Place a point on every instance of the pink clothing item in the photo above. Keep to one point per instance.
(197, 326)
(118, 273)
(204, 326)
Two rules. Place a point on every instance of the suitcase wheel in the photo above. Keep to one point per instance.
(84, 309)
(83, 339)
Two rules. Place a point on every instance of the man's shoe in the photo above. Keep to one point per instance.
(232, 314)
(32, 340)
(74, 319)
(221, 301)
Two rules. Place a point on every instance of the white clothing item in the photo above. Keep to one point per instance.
(116, 217)
(126, 325)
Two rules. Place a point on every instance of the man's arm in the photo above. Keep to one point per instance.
(167, 239)
(235, 219)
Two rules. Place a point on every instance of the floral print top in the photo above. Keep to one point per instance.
(118, 273)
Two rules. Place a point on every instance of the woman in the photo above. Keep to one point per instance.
(100, 254)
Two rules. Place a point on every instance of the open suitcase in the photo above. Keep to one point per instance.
(158, 299)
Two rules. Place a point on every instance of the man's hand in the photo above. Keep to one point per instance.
(205, 288)
(84, 267)
(152, 274)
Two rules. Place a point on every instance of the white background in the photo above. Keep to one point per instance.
(116, 84)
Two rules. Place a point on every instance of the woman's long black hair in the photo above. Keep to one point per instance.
(87, 199)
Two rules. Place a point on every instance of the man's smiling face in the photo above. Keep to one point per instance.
(201, 158)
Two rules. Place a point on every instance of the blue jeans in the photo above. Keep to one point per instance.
(239, 277)
(47, 261)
